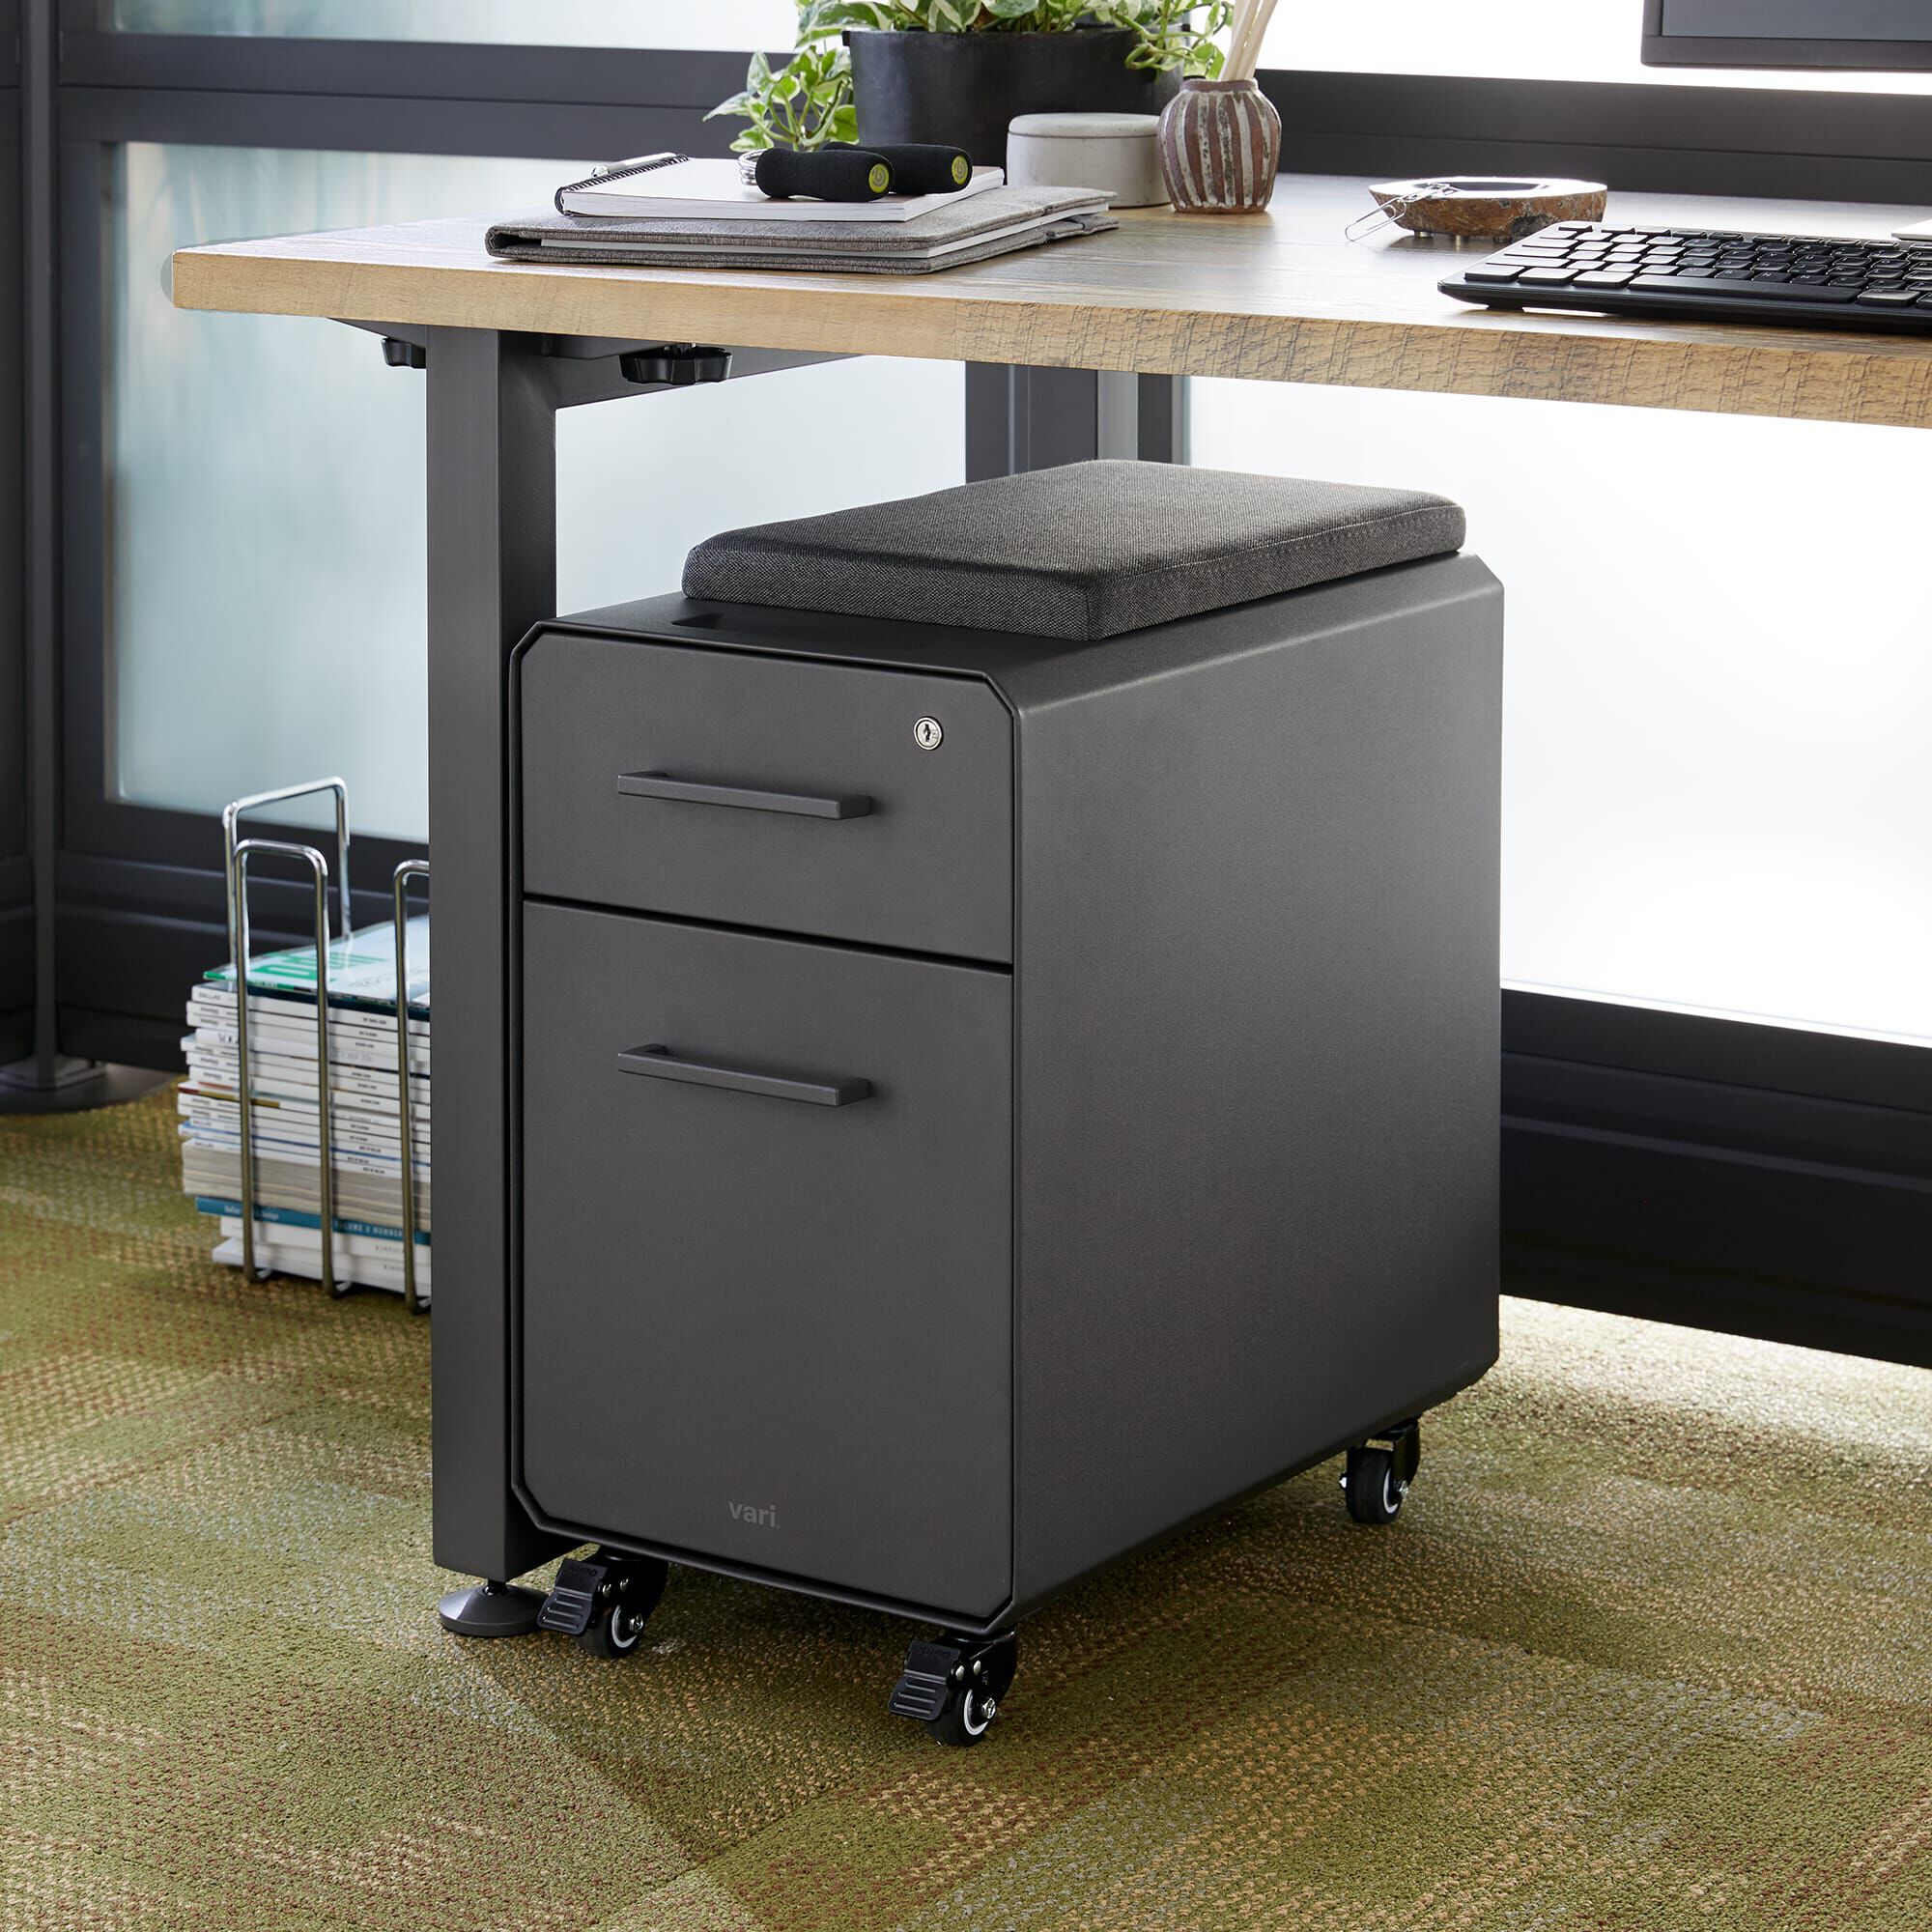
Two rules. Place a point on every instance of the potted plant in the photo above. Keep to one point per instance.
(959, 70)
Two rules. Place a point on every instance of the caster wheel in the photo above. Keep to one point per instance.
(1374, 1490)
(954, 1687)
(970, 1708)
(967, 1717)
(616, 1626)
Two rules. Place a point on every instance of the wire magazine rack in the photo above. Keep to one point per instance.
(239, 852)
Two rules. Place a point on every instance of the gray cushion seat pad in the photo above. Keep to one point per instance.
(1087, 551)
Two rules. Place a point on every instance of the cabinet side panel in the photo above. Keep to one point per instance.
(1258, 999)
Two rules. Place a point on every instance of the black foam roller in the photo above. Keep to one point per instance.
(825, 174)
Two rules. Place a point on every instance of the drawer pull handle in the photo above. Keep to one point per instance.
(686, 791)
(661, 1063)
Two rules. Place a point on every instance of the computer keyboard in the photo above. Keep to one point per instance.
(1842, 281)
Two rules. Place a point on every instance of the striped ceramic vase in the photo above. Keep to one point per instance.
(1220, 144)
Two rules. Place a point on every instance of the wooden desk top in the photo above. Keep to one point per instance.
(1274, 298)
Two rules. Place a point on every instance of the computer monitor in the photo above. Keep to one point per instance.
(1880, 36)
(1875, 35)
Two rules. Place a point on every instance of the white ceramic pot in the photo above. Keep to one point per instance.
(1119, 153)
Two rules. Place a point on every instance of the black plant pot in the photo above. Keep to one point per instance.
(964, 87)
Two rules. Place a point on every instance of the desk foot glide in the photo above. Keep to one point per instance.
(490, 1610)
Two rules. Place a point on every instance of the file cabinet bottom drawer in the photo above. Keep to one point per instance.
(765, 1294)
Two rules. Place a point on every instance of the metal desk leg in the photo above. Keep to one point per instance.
(1019, 419)
(491, 574)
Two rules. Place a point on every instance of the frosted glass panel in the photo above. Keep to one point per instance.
(1535, 40)
(640, 481)
(579, 23)
(1716, 792)
(269, 591)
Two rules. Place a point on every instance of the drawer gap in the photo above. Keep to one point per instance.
(999, 966)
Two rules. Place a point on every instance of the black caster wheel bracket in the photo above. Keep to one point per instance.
(952, 1685)
(1405, 1440)
(604, 1601)
(1377, 1478)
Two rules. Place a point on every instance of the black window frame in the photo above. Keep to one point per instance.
(18, 918)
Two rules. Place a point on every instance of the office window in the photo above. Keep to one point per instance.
(268, 592)
(1516, 39)
(1716, 795)
(583, 24)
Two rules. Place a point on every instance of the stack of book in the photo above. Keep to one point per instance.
(365, 1104)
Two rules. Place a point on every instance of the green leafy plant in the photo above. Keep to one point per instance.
(808, 102)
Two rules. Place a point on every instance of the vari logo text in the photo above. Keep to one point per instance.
(765, 1519)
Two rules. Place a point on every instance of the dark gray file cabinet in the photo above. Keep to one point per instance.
(985, 1101)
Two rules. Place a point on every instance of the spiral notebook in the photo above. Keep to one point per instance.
(678, 186)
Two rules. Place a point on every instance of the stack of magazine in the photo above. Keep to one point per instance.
(366, 1126)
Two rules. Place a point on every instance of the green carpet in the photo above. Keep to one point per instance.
(1650, 1648)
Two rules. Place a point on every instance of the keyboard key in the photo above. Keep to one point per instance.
(1691, 285)
(1484, 271)
(1606, 278)
(1549, 279)
(1890, 298)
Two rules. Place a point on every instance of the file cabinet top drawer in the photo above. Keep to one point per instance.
(790, 794)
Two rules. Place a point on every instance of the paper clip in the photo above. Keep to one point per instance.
(1389, 213)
